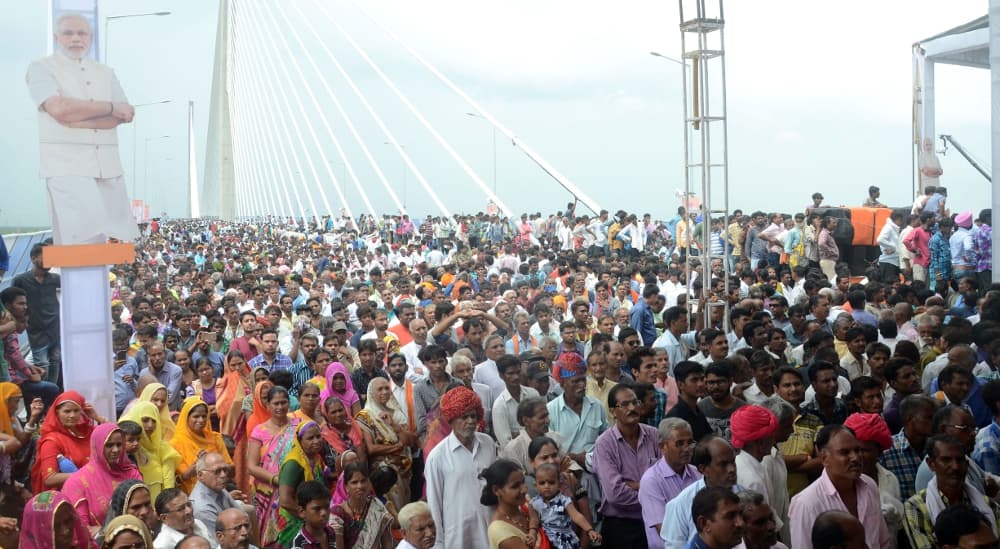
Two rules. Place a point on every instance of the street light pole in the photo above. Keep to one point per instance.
(145, 156)
(110, 18)
(474, 115)
(135, 142)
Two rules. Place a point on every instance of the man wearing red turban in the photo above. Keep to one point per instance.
(753, 428)
(873, 433)
(452, 470)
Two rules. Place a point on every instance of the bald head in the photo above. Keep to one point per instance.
(232, 529)
(838, 530)
(963, 356)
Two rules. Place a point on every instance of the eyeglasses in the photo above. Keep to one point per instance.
(221, 470)
(238, 527)
(964, 428)
(628, 404)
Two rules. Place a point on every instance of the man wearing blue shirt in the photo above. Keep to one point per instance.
(641, 317)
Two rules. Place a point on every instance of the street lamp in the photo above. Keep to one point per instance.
(145, 156)
(474, 115)
(668, 58)
(135, 141)
(401, 146)
(110, 18)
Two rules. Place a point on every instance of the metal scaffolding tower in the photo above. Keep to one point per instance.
(705, 133)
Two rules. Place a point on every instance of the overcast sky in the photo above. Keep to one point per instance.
(819, 99)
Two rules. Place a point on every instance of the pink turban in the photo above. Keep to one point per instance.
(964, 220)
(870, 428)
(458, 401)
(750, 423)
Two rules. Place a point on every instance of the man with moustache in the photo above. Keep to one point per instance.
(667, 477)
(417, 524)
(719, 519)
(760, 530)
(841, 487)
(80, 104)
(232, 529)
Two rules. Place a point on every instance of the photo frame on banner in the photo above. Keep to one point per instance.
(86, 8)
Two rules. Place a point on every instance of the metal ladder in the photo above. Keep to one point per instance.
(705, 131)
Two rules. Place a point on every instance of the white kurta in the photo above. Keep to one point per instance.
(452, 474)
(88, 201)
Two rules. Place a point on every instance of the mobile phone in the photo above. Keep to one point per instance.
(210, 337)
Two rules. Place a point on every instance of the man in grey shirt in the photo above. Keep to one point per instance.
(209, 495)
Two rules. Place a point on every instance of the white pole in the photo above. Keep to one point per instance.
(995, 114)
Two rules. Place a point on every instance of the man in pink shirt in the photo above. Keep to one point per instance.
(841, 487)
(918, 243)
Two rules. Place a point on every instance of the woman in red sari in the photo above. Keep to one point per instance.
(65, 432)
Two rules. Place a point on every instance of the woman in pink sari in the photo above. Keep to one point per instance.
(338, 384)
(50, 523)
(269, 443)
(90, 489)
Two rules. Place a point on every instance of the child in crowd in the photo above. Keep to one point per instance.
(557, 512)
(314, 510)
(132, 432)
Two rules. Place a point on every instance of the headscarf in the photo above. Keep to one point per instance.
(121, 498)
(90, 489)
(162, 459)
(458, 401)
(750, 423)
(123, 523)
(260, 413)
(371, 415)
(166, 423)
(340, 491)
(349, 396)
(38, 523)
(232, 388)
(56, 440)
(870, 428)
(335, 438)
(298, 454)
(7, 390)
(188, 443)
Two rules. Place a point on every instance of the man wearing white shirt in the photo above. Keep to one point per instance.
(486, 371)
(452, 472)
(416, 370)
(417, 524)
(754, 428)
(544, 324)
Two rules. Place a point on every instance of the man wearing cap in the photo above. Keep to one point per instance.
(621, 456)
(452, 472)
(963, 250)
(753, 428)
(873, 433)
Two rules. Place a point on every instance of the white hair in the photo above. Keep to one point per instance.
(72, 15)
(411, 511)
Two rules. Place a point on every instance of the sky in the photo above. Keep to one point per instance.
(819, 99)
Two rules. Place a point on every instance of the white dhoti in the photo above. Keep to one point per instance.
(88, 210)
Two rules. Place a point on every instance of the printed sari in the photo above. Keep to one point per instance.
(90, 489)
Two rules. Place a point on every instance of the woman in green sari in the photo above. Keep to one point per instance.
(303, 463)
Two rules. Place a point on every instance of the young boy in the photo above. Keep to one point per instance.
(132, 432)
(314, 510)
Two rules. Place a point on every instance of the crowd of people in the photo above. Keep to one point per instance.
(557, 381)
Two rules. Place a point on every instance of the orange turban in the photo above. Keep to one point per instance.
(870, 428)
(459, 401)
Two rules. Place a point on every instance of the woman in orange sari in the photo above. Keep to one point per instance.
(230, 392)
(194, 437)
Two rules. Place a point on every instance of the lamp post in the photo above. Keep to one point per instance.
(492, 127)
(135, 141)
(145, 156)
(110, 18)
(401, 146)
(668, 58)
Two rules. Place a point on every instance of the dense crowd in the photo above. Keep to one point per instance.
(555, 381)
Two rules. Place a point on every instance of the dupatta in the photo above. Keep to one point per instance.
(189, 442)
(166, 423)
(57, 440)
(38, 523)
(349, 396)
(230, 392)
(161, 459)
(90, 489)
(7, 390)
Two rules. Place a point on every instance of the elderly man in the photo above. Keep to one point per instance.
(452, 471)
(232, 530)
(621, 456)
(80, 104)
(714, 458)
(174, 509)
(209, 495)
(667, 477)
(417, 524)
(841, 484)
(415, 367)
(946, 457)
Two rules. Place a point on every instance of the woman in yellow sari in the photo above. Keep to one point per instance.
(194, 437)
(157, 459)
(157, 394)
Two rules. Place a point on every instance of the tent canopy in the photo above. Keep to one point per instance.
(967, 45)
